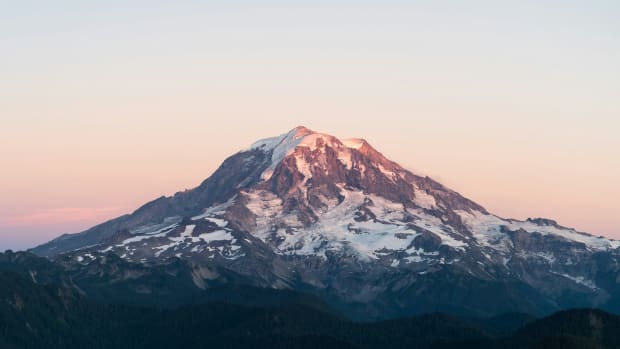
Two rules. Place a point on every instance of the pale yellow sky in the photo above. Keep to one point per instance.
(105, 106)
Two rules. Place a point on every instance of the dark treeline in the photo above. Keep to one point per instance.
(46, 316)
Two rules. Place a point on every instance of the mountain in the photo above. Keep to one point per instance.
(309, 212)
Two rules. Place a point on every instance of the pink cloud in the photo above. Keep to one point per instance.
(61, 215)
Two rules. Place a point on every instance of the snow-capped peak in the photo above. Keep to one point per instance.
(285, 144)
(307, 209)
(280, 146)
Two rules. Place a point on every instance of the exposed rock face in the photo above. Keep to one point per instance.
(335, 217)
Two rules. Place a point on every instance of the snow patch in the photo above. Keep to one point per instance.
(353, 143)
(580, 280)
(219, 235)
(337, 228)
(424, 200)
(486, 229)
(216, 210)
(168, 224)
(142, 237)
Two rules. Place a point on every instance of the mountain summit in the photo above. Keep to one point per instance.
(308, 211)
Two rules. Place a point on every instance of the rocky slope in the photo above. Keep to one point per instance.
(308, 211)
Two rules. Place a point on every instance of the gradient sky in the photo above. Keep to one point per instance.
(105, 105)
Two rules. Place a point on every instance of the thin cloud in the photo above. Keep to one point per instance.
(61, 215)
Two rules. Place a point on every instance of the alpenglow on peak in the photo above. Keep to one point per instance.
(310, 211)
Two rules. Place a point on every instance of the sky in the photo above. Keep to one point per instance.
(105, 105)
